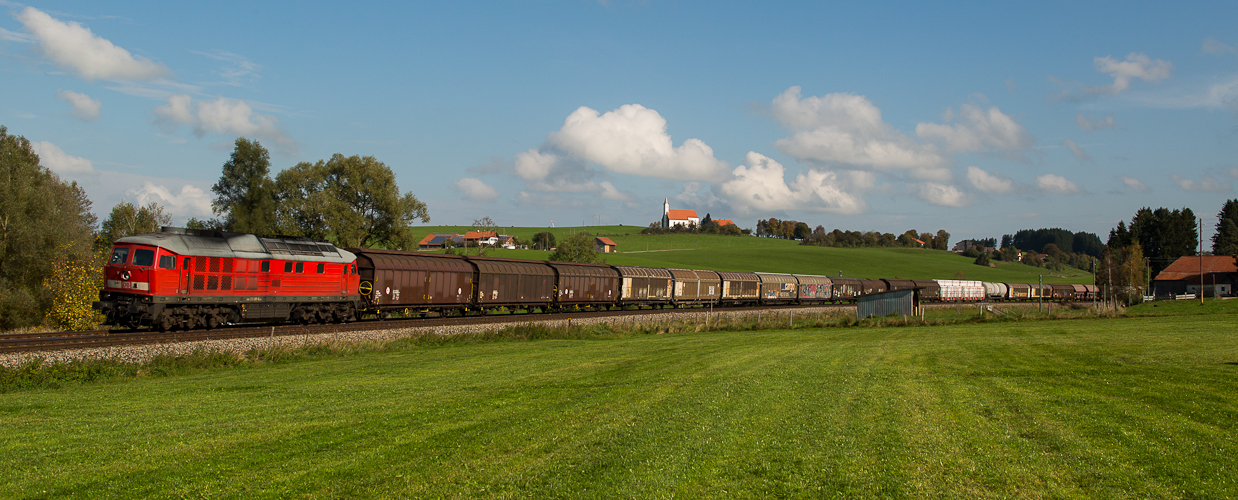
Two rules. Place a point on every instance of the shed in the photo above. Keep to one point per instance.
(604, 245)
(901, 302)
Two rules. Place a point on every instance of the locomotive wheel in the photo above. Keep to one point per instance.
(211, 322)
(165, 323)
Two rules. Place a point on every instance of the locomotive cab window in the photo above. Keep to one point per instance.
(287, 267)
(266, 266)
(300, 267)
(143, 257)
(320, 268)
(119, 255)
(167, 262)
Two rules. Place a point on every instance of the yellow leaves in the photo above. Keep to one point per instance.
(75, 283)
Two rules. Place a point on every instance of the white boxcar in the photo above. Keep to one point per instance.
(960, 290)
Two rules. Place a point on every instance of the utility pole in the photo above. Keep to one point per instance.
(1201, 261)
(1040, 292)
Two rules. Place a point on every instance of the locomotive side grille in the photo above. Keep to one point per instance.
(227, 283)
(275, 283)
(212, 282)
(199, 264)
(214, 264)
(198, 281)
(227, 265)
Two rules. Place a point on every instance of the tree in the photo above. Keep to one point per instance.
(128, 219)
(352, 201)
(1162, 234)
(982, 259)
(577, 248)
(245, 195)
(42, 220)
(1225, 241)
(543, 241)
(483, 225)
(942, 240)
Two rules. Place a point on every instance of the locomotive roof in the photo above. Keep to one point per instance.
(201, 243)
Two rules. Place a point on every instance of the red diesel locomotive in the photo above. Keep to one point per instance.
(185, 278)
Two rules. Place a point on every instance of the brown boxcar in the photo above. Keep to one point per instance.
(396, 280)
(513, 282)
(586, 283)
(1019, 291)
(929, 289)
(695, 286)
(778, 288)
(814, 288)
(873, 286)
(896, 284)
(1063, 292)
(739, 288)
(645, 285)
(846, 289)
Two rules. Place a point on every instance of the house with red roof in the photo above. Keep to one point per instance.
(724, 222)
(1213, 274)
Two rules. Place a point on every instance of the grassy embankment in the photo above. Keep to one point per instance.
(746, 253)
(1133, 407)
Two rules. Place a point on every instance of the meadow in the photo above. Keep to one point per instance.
(1129, 407)
(747, 253)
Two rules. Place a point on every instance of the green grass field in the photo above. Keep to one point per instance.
(1139, 407)
(746, 253)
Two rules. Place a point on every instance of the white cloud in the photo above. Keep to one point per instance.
(989, 183)
(475, 189)
(10, 36)
(1056, 184)
(72, 46)
(843, 128)
(84, 107)
(759, 186)
(610, 192)
(1099, 124)
(1135, 65)
(979, 130)
(1214, 46)
(221, 116)
(1134, 184)
(55, 159)
(943, 194)
(190, 202)
(1207, 183)
(548, 172)
(1076, 150)
(633, 140)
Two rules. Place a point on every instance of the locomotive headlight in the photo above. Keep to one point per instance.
(124, 275)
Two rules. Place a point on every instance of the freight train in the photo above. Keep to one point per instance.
(184, 279)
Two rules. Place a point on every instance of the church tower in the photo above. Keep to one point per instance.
(666, 213)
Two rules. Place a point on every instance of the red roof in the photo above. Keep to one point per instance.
(476, 235)
(1188, 267)
(431, 236)
(681, 214)
(723, 222)
(606, 241)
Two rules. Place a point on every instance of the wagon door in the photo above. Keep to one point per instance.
(183, 285)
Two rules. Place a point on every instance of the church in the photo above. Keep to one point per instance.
(672, 218)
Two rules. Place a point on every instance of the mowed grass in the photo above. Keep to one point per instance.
(1140, 407)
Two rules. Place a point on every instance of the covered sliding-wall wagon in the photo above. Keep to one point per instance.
(589, 284)
(696, 286)
(814, 289)
(644, 285)
(739, 288)
(510, 282)
(406, 280)
(778, 288)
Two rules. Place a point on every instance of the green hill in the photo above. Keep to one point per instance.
(747, 253)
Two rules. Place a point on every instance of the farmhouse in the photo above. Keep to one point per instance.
(724, 222)
(478, 238)
(1183, 276)
(439, 241)
(671, 218)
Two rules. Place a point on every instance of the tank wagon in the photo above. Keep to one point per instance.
(182, 278)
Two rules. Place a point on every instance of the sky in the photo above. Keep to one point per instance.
(980, 118)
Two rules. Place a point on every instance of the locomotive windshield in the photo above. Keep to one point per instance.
(143, 257)
(119, 255)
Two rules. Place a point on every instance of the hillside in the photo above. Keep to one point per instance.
(746, 253)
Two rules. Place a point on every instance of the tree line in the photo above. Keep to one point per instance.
(52, 247)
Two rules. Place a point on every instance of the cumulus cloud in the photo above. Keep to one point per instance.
(847, 129)
(1207, 183)
(759, 186)
(987, 182)
(55, 159)
(633, 140)
(84, 108)
(1134, 184)
(475, 189)
(549, 172)
(1214, 46)
(1088, 124)
(221, 116)
(943, 194)
(1136, 65)
(189, 202)
(74, 47)
(1076, 150)
(978, 129)
(1056, 184)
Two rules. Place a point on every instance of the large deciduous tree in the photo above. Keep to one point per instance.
(1225, 241)
(352, 201)
(577, 248)
(128, 219)
(43, 220)
(245, 194)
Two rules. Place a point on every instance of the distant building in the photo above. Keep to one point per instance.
(604, 245)
(1183, 276)
(438, 241)
(724, 222)
(672, 218)
(478, 238)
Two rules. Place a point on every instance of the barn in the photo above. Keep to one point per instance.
(1184, 276)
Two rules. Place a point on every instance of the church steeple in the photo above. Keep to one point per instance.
(666, 206)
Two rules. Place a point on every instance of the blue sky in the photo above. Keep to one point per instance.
(977, 118)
